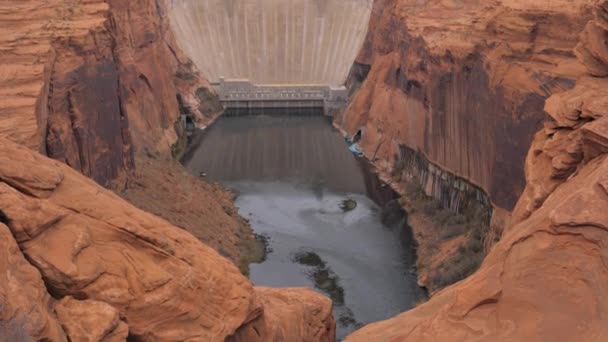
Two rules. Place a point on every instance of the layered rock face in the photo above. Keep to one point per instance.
(109, 266)
(89, 83)
(546, 278)
(26, 306)
(464, 83)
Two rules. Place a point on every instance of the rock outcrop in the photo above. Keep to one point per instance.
(544, 281)
(26, 309)
(89, 320)
(289, 314)
(116, 265)
(203, 209)
(463, 83)
(89, 83)
(450, 94)
(546, 277)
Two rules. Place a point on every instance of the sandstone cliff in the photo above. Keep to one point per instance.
(449, 94)
(89, 83)
(546, 278)
(100, 85)
(108, 265)
(464, 83)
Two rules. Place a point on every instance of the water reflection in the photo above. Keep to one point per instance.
(300, 186)
(263, 148)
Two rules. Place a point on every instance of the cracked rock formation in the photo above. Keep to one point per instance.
(546, 279)
(89, 320)
(25, 306)
(91, 83)
(284, 311)
(112, 262)
(464, 83)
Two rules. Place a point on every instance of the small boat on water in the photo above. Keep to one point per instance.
(354, 148)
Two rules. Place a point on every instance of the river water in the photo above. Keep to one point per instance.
(309, 198)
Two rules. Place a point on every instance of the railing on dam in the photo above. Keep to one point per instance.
(241, 94)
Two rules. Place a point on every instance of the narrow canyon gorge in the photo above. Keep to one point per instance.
(472, 205)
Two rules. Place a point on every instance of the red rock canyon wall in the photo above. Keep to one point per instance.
(464, 82)
(90, 83)
(546, 278)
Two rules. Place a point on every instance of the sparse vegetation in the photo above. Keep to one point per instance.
(348, 205)
(178, 148)
(185, 75)
(209, 102)
(186, 72)
(398, 169)
(471, 224)
(253, 251)
(324, 278)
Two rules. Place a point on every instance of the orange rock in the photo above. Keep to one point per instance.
(578, 134)
(297, 314)
(91, 83)
(592, 50)
(91, 244)
(464, 82)
(26, 309)
(89, 320)
(122, 262)
(544, 281)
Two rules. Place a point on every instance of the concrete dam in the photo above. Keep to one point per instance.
(286, 42)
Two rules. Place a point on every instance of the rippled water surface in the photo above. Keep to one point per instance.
(297, 184)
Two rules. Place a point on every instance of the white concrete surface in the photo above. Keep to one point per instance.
(272, 41)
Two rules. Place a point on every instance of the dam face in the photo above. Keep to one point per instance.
(272, 41)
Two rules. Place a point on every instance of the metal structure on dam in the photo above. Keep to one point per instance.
(286, 46)
(243, 95)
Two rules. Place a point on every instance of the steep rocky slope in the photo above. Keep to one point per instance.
(89, 83)
(449, 94)
(546, 277)
(464, 83)
(105, 261)
(100, 85)
(204, 209)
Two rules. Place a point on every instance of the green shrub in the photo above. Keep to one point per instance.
(450, 232)
(456, 219)
(431, 207)
(398, 168)
(414, 189)
(442, 216)
(456, 268)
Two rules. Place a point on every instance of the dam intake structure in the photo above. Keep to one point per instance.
(242, 97)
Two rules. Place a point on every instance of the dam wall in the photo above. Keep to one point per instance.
(272, 41)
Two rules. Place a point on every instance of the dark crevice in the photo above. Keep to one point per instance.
(145, 80)
(4, 219)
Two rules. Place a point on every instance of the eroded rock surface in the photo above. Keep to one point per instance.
(128, 267)
(91, 83)
(89, 320)
(26, 309)
(546, 277)
(464, 83)
(544, 281)
(289, 314)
